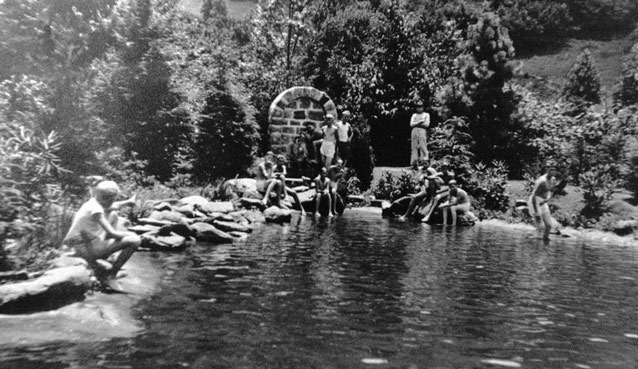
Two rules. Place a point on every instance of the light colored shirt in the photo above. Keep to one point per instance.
(343, 131)
(329, 133)
(420, 120)
(86, 221)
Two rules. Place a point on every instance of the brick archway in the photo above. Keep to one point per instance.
(292, 110)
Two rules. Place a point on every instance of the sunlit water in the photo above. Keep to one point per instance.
(359, 291)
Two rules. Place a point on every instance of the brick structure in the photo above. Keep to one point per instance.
(292, 110)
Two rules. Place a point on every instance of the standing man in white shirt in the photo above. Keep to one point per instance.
(419, 122)
(344, 135)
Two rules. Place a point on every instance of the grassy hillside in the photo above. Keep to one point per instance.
(236, 9)
(552, 65)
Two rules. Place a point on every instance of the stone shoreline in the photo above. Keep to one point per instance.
(100, 316)
(578, 234)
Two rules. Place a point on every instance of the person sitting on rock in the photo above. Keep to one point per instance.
(441, 195)
(95, 237)
(335, 174)
(430, 185)
(458, 202)
(266, 181)
(280, 173)
(322, 189)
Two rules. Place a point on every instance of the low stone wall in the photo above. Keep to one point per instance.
(293, 109)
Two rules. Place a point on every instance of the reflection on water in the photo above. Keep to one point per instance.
(359, 291)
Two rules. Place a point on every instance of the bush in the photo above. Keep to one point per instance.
(488, 186)
(598, 184)
(28, 189)
(391, 186)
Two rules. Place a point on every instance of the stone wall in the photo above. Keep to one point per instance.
(292, 110)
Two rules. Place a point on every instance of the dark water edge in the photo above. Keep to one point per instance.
(363, 292)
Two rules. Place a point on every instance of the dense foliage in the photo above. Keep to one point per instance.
(141, 92)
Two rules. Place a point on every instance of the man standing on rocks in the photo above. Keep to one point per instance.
(419, 122)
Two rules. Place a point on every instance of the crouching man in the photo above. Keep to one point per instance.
(459, 202)
(94, 235)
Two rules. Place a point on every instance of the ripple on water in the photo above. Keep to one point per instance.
(360, 290)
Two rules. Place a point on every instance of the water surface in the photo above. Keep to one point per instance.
(359, 291)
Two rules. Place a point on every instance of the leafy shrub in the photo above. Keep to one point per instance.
(450, 148)
(28, 170)
(391, 186)
(598, 184)
(488, 186)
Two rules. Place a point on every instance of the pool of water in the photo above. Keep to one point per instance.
(359, 291)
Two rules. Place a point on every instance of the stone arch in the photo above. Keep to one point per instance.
(292, 110)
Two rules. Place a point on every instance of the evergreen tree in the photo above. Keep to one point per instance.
(134, 97)
(628, 93)
(481, 95)
(583, 82)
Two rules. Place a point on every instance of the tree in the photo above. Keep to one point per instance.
(533, 23)
(134, 97)
(480, 94)
(378, 60)
(628, 92)
(583, 82)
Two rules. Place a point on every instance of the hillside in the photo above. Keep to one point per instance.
(236, 9)
(552, 65)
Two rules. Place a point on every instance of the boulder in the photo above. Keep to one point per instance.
(255, 217)
(143, 228)
(171, 216)
(183, 230)
(241, 185)
(239, 235)
(219, 216)
(170, 242)
(231, 226)
(625, 227)
(55, 288)
(154, 222)
(162, 206)
(16, 275)
(205, 232)
(193, 200)
(187, 210)
(277, 215)
(216, 207)
(250, 203)
(358, 199)
(67, 261)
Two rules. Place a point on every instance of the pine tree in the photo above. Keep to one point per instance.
(484, 99)
(583, 82)
(628, 93)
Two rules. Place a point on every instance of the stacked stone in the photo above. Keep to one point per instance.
(292, 110)
(172, 225)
